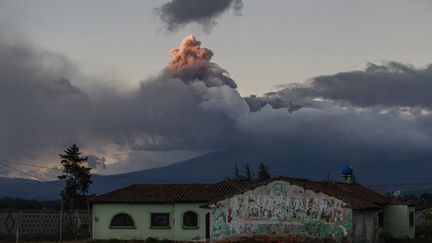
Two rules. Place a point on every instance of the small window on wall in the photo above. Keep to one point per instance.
(160, 220)
(122, 220)
(190, 220)
(411, 219)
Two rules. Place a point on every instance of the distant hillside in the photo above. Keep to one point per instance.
(370, 168)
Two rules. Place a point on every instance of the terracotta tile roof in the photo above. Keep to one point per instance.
(356, 195)
(170, 193)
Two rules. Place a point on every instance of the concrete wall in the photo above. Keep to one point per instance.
(365, 226)
(396, 221)
(141, 214)
(280, 210)
(44, 222)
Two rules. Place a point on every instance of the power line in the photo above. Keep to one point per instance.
(31, 184)
(44, 167)
(6, 172)
(28, 174)
(28, 164)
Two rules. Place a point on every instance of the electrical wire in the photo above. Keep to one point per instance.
(28, 174)
(33, 165)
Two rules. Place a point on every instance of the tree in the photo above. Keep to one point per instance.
(237, 176)
(76, 175)
(263, 173)
(248, 176)
(426, 197)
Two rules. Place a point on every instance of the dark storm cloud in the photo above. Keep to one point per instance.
(389, 85)
(323, 126)
(45, 109)
(96, 161)
(177, 13)
(170, 114)
(36, 100)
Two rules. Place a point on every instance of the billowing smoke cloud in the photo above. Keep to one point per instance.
(187, 107)
(390, 85)
(36, 99)
(178, 13)
(191, 62)
(194, 105)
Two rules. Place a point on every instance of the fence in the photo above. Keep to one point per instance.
(45, 222)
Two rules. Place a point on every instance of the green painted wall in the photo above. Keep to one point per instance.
(141, 213)
(396, 221)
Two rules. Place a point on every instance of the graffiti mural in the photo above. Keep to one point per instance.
(281, 209)
(220, 224)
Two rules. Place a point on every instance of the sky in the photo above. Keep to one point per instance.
(97, 73)
(284, 41)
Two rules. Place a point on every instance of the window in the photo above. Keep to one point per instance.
(122, 220)
(381, 219)
(190, 220)
(160, 220)
(411, 219)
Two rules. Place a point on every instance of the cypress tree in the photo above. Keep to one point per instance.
(76, 175)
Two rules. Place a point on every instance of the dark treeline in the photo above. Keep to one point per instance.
(422, 199)
(21, 203)
(248, 176)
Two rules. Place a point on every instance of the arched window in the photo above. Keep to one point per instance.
(122, 220)
(190, 219)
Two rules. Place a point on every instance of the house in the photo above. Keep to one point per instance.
(423, 218)
(168, 211)
(290, 209)
(283, 209)
(398, 219)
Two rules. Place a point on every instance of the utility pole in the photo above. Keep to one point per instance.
(61, 221)
(17, 236)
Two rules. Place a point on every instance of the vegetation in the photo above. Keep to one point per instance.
(248, 176)
(263, 173)
(423, 199)
(21, 203)
(76, 174)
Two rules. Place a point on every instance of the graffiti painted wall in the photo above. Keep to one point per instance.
(281, 209)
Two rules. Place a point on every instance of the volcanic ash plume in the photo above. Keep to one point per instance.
(189, 53)
(191, 62)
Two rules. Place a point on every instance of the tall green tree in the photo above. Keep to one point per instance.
(248, 175)
(237, 176)
(263, 173)
(76, 175)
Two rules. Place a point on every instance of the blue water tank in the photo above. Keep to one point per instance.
(347, 170)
